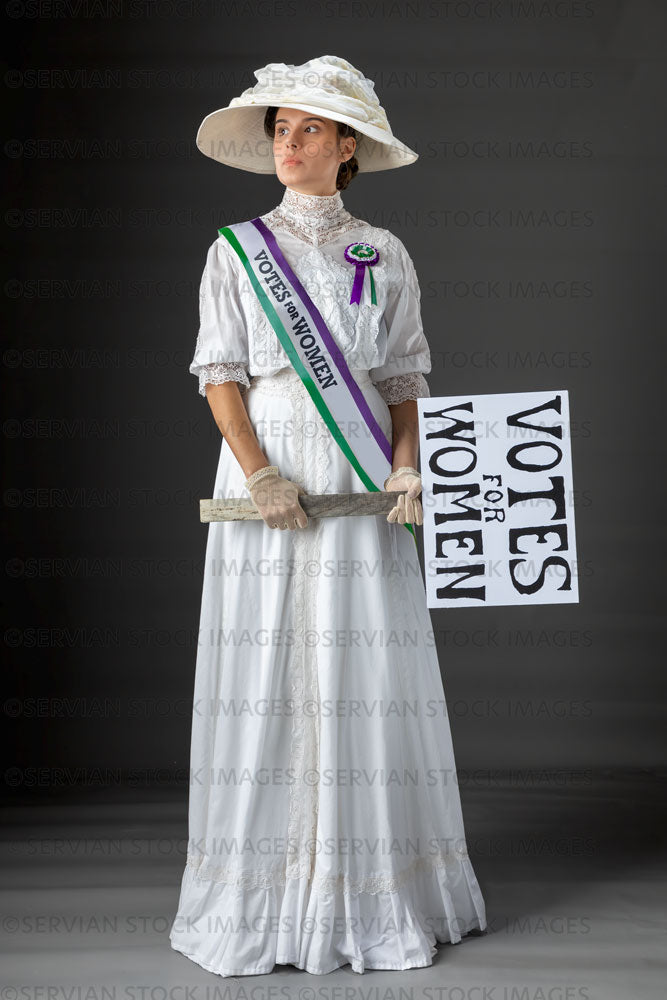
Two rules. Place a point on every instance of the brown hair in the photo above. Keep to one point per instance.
(346, 171)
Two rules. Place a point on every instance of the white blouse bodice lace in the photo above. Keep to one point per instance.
(236, 341)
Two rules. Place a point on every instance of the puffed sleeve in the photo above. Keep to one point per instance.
(401, 375)
(221, 354)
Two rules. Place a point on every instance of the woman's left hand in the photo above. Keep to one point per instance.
(408, 483)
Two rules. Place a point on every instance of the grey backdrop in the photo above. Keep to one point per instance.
(110, 211)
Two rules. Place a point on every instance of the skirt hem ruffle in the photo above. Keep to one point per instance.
(366, 931)
(355, 966)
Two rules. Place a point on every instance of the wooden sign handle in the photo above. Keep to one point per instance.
(315, 505)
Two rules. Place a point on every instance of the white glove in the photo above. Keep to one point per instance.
(408, 483)
(277, 499)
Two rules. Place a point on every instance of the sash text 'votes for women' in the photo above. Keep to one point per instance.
(300, 326)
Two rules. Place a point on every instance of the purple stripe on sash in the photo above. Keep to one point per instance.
(330, 343)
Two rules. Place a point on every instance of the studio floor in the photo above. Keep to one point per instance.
(572, 866)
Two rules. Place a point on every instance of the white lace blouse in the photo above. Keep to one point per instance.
(236, 341)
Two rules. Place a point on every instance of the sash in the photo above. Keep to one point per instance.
(312, 351)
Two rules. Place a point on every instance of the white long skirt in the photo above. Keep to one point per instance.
(325, 822)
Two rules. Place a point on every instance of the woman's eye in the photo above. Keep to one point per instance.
(281, 129)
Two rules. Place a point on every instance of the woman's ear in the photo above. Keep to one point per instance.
(347, 147)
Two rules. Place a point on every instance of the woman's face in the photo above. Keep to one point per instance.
(308, 152)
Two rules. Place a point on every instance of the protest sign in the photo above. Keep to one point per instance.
(498, 499)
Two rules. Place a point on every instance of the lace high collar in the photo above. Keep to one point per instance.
(314, 218)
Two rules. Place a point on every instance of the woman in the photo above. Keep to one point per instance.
(325, 818)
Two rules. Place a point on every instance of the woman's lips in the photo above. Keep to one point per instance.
(291, 162)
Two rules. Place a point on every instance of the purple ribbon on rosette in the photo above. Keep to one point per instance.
(362, 255)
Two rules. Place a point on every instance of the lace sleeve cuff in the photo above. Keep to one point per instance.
(398, 388)
(223, 371)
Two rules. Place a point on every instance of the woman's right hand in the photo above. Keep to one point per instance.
(277, 501)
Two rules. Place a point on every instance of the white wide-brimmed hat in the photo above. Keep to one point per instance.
(329, 86)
